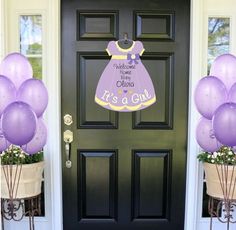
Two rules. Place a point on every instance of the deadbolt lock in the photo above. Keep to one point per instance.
(68, 119)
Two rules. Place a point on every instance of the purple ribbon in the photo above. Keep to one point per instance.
(133, 58)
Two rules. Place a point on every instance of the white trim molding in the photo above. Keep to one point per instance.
(195, 72)
(2, 29)
(2, 48)
(54, 112)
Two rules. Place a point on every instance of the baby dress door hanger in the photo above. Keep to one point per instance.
(125, 84)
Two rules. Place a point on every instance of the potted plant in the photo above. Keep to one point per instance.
(21, 173)
(220, 172)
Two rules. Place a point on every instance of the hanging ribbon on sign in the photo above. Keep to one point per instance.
(125, 84)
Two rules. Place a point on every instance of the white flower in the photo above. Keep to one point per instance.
(22, 155)
(212, 161)
(209, 156)
(215, 154)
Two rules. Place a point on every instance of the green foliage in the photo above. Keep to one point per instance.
(225, 155)
(15, 155)
(37, 67)
(34, 48)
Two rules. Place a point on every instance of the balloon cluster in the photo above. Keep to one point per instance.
(215, 99)
(23, 101)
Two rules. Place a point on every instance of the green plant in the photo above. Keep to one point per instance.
(15, 155)
(225, 155)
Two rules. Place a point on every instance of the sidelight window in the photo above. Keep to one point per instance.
(218, 44)
(31, 41)
(31, 47)
(218, 38)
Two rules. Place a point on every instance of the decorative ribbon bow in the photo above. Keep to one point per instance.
(133, 58)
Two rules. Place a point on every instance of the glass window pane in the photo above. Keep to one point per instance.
(205, 211)
(218, 43)
(218, 38)
(31, 47)
(31, 34)
(37, 66)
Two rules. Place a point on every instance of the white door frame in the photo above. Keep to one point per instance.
(195, 72)
(54, 118)
(54, 108)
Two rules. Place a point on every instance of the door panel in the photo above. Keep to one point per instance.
(159, 115)
(128, 169)
(151, 175)
(94, 116)
(97, 188)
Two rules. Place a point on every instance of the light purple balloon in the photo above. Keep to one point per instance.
(224, 124)
(232, 93)
(19, 123)
(205, 136)
(4, 144)
(34, 93)
(224, 67)
(209, 94)
(7, 92)
(39, 139)
(17, 68)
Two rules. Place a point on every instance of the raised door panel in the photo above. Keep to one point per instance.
(97, 180)
(151, 185)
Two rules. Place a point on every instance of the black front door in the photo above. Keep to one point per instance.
(128, 169)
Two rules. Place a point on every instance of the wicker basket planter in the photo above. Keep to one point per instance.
(27, 176)
(220, 180)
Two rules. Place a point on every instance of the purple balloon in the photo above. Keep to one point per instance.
(224, 67)
(7, 93)
(39, 140)
(34, 93)
(4, 144)
(232, 93)
(209, 94)
(19, 123)
(17, 68)
(205, 136)
(224, 124)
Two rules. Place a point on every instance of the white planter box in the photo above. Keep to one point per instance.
(220, 180)
(29, 183)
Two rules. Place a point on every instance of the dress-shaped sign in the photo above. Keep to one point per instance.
(125, 84)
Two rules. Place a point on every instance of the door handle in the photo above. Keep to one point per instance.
(68, 138)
